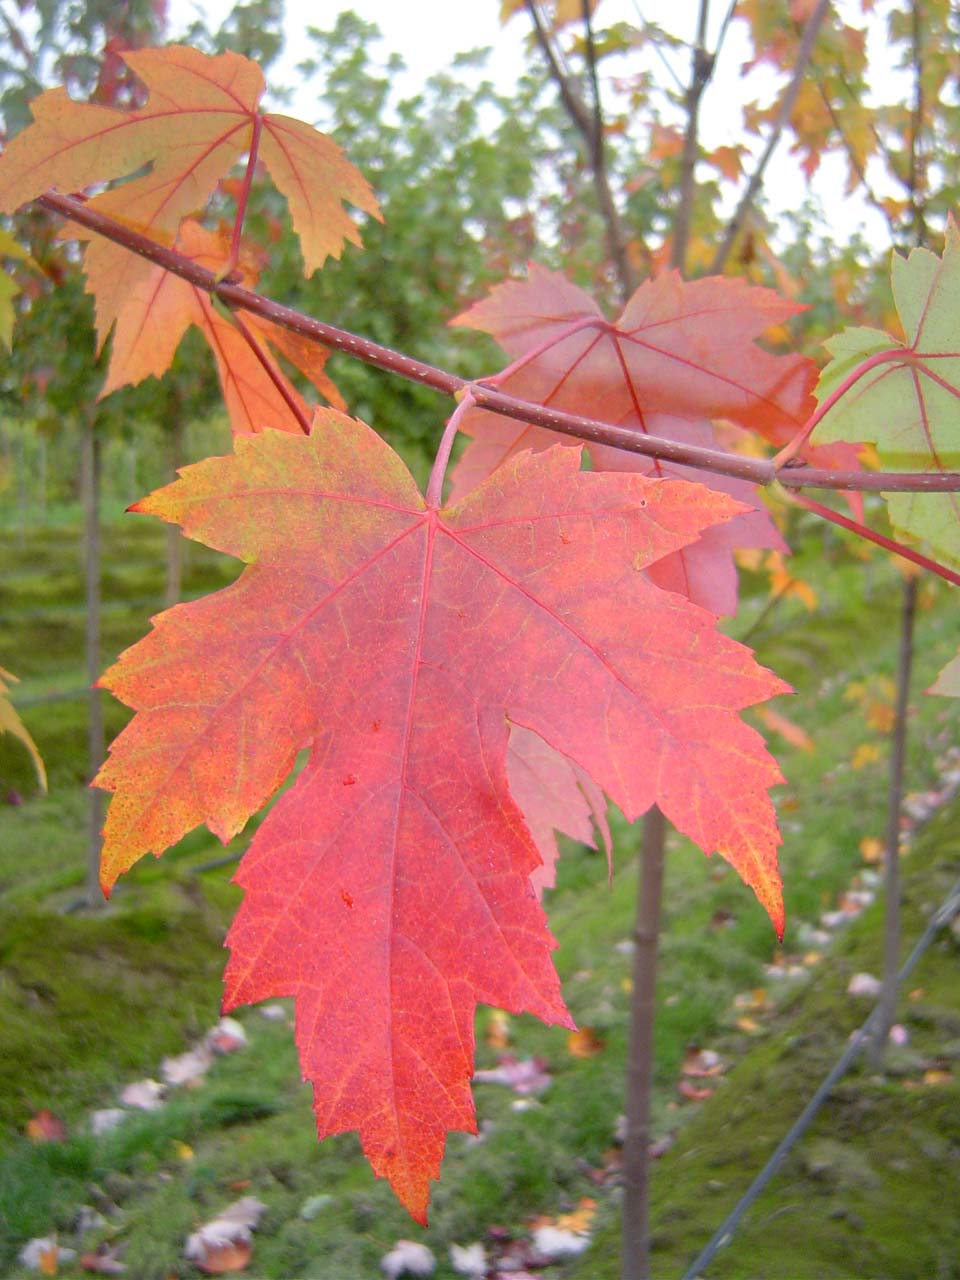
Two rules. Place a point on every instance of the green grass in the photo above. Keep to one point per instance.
(91, 1001)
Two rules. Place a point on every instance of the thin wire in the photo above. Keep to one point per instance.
(724, 1233)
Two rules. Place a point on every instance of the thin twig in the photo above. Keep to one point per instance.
(739, 218)
(590, 125)
(701, 70)
(592, 69)
(724, 28)
(854, 160)
(915, 178)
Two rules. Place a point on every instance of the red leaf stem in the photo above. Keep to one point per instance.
(244, 196)
(871, 535)
(270, 369)
(790, 451)
(434, 493)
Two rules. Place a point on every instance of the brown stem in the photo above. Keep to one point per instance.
(590, 126)
(757, 470)
(700, 74)
(891, 857)
(636, 1147)
(786, 106)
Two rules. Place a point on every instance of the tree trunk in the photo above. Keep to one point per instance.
(636, 1147)
(90, 496)
(175, 540)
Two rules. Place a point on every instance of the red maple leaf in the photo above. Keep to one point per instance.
(389, 890)
(681, 355)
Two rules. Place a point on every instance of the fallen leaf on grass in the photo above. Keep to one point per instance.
(226, 1037)
(580, 1219)
(106, 1119)
(145, 1095)
(224, 1244)
(469, 1260)
(937, 1075)
(46, 1127)
(790, 732)
(702, 1062)
(755, 1000)
(694, 1093)
(871, 849)
(555, 1243)
(89, 1219)
(43, 1254)
(864, 984)
(407, 1258)
(584, 1043)
(867, 753)
(217, 1260)
(103, 1262)
(722, 920)
(523, 1076)
(661, 1146)
(187, 1068)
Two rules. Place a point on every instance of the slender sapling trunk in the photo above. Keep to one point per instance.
(96, 744)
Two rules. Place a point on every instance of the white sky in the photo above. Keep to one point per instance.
(428, 33)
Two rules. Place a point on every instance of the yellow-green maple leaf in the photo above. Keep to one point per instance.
(904, 397)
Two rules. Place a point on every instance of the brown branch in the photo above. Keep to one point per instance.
(590, 126)
(789, 98)
(700, 73)
(869, 194)
(916, 174)
(761, 471)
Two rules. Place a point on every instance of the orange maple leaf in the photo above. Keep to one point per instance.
(149, 310)
(201, 115)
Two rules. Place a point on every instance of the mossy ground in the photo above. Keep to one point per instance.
(866, 1192)
(91, 1001)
